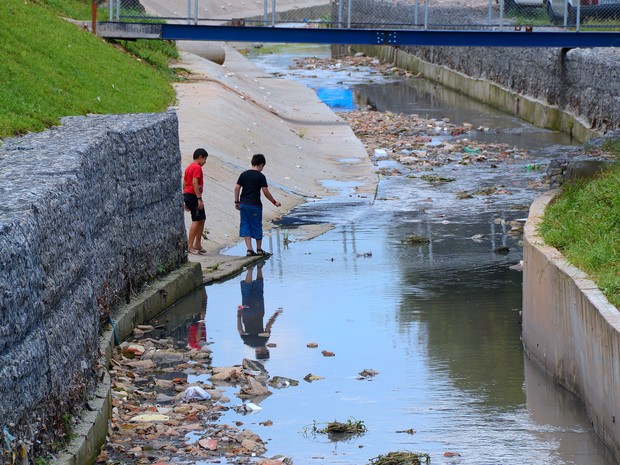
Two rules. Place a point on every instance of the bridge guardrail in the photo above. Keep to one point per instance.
(570, 15)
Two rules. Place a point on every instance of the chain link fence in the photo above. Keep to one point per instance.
(584, 15)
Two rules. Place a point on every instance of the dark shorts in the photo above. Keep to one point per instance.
(191, 202)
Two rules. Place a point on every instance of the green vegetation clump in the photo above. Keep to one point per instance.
(51, 68)
(401, 458)
(583, 223)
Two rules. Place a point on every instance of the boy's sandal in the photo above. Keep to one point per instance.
(260, 252)
(250, 253)
(201, 251)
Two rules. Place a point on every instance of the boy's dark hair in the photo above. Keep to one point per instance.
(258, 159)
(200, 153)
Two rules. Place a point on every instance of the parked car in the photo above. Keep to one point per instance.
(601, 9)
(516, 5)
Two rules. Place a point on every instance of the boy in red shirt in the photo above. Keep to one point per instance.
(192, 196)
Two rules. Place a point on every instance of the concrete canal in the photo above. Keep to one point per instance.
(425, 336)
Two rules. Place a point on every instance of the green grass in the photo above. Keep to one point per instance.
(583, 223)
(51, 68)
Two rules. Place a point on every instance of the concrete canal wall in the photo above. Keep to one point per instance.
(570, 329)
(575, 91)
(91, 213)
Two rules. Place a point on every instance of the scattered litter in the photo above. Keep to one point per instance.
(248, 408)
(434, 178)
(196, 393)
(517, 266)
(280, 382)
(471, 150)
(148, 417)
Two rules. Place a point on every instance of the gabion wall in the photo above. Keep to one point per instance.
(90, 211)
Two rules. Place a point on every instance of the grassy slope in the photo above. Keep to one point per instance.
(584, 224)
(50, 68)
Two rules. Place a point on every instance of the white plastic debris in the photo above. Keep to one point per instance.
(248, 407)
(196, 393)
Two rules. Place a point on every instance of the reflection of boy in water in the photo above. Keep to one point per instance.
(197, 337)
(250, 314)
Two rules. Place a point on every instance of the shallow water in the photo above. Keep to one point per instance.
(439, 322)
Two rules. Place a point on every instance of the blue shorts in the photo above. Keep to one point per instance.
(251, 221)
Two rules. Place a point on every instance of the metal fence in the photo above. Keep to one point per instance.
(586, 15)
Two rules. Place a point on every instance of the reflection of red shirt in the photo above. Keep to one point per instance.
(197, 334)
(194, 170)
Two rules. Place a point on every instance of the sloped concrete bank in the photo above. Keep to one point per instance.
(91, 214)
(570, 329)
(575, 91)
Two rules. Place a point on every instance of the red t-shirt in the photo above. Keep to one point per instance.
(192, 171)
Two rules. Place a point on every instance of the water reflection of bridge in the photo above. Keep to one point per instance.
(369, 22)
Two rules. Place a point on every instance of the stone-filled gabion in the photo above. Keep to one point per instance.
(90, 211)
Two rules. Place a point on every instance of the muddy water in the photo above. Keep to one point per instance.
(438, 322)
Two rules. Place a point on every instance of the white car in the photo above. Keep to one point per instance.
(602, 9)
(515, 5)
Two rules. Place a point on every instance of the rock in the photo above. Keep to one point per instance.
(137, 349)
(230, 374)
(254, 389)
(253, 446)
(368, 373)
(502, 250)
(209, 444)
(143, 364)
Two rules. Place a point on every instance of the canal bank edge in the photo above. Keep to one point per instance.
(570, 330)
(569, 91)
(92, 429)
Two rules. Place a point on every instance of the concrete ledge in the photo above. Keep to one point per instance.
(92, 430)
(570, 329)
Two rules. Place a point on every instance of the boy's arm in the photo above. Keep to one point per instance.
(270, 197)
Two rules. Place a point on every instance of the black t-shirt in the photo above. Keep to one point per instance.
(251, 182)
